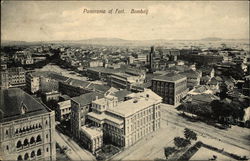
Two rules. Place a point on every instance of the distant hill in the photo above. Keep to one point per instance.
(113, 42)
(9, 42)
(212, 39)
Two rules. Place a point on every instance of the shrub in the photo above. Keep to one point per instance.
(181, 142)
(168, 151)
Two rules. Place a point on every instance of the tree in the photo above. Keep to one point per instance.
(168, 151)
(181, 142)
(189, 134)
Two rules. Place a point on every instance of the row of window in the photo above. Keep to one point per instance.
(29, 128)
(27, 142)
(32, 155)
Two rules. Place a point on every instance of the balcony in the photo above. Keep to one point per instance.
(25, 146)
(20, 148)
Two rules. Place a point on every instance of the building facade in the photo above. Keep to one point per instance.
(171, 87)
(126, 80)
(80, 106)
(16, 76)
(63, 110)
(91, 138)
(124, 123)
(32, 83)
(27, 128)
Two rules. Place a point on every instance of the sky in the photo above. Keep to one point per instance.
(54, 20)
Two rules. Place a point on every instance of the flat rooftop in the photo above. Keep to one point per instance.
(138, 102)
(91, 132)
(12, 102)
(131, 106)
(171, 77)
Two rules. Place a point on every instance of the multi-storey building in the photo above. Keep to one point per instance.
(80, 106)
(193, 78)
(16, 76)
(73, 87)
(171, 87)
(26, 127)
(124, 123)
(48, 96)
(32, 83)
(63, 110)
(91, 138)
(23, 57)
(126, 80)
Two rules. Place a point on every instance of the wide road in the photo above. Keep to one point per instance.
(75, 152)
(236, 136)
(233, 140)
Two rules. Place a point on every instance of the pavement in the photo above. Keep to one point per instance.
(233, 140)
(74, 152)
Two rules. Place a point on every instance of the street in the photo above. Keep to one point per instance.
(233, 140)
(75, 152)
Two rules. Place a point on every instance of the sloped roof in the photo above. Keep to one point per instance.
(87, 98)
(13, 99)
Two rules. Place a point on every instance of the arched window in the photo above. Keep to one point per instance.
(32, 140)
(46, 122)
(36, 126)
(7, 132)
(33, 127)
(16, 131)
(40, 126)
(20, 130)
(38, 138)
(19, 157)
(39, 152)
(26, 156)
(26, 142)
(19, 144)
(32, 154)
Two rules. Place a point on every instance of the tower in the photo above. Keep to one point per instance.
(151, 59)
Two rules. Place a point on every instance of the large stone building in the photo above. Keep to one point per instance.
(91, 138)
(26, 127)
(16, 77)
(127, 79)
(74, 87)
(12, 77)
(193, 78)
(171, 87)
(80, 106)
(124, 123)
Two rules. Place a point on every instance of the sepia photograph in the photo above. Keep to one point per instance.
(125, 80)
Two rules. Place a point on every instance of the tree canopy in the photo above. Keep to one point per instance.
(181, 142)
(189, 134)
